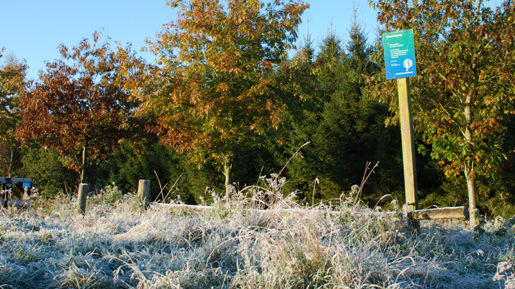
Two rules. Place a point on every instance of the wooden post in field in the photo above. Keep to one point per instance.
(408, 144)
(82, 197)
(144, 193)
(400, 64)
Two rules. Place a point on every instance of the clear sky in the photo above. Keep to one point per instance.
(33, 29)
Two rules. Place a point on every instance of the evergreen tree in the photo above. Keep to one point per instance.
(299, 78)
(344, 128)
(150, 160)
(46, 169)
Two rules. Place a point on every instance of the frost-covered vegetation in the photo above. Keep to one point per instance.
(236, 244)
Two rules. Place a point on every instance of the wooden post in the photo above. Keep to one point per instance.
(144, 193)
(82, 198)
(408, 144)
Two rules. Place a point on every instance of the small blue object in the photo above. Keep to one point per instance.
(399, 54)
(27, 185)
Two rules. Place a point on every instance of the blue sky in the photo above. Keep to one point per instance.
(33, 29)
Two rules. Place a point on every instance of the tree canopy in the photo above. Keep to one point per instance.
(79, 105)
(214, 91)
(12, 82)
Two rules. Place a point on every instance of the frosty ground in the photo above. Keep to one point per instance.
(231, 245)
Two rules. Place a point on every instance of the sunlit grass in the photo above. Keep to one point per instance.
(236, 244)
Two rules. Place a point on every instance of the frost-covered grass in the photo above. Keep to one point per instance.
(233, 245)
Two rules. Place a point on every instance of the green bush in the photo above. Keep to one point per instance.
(47, 171)
(166, 169)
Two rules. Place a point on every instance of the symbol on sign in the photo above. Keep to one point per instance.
(408, 63)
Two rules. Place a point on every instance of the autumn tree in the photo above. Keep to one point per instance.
(12, 81)
(80, 105)
(464, 93)
(213, 90)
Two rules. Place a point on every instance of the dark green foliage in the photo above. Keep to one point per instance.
(9, 157)
(152, 161)
(47, 171)
(346, 130)
(251, 163)
(170, 175)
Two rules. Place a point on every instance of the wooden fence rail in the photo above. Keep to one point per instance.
(428, 214)
(145, 196)
(201, 208)
(439, 214)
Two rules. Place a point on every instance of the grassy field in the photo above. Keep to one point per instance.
(345, 245)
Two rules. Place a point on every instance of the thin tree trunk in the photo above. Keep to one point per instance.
(469, 166)
(9, 167)
(471, 188)
(227, 174)
(83, 165)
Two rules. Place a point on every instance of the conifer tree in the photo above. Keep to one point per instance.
(344, 128)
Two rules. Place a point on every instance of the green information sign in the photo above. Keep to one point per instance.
(399, 54)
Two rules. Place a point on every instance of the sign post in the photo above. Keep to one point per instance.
(408, 144)
(399, 52)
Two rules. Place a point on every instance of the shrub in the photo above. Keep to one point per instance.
(47, 171)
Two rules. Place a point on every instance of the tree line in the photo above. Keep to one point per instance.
(230, 99)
